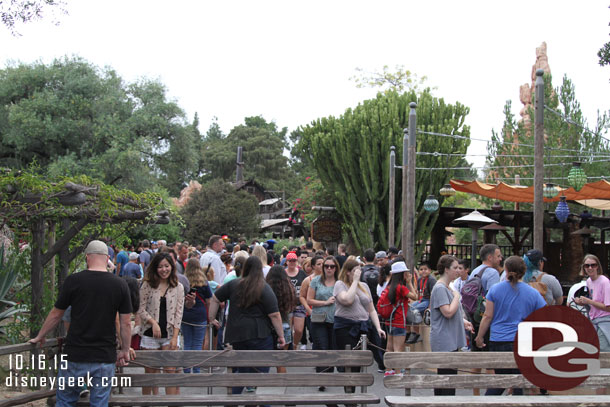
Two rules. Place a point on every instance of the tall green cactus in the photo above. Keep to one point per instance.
(351, 154)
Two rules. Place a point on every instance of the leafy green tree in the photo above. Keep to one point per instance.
(567, 134)
(263, 154)
(399, 80)
(72, 118)
(217, 209)
(351, 156)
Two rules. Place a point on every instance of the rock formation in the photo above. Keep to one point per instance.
(527, 90)
(185, 194)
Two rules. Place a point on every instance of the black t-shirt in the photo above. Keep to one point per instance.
(247, 323)
(298, 280)
(341, 259)
(95, 297)
(425, 286)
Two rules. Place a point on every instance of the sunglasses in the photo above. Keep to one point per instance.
(590, 265)
(330, 266)
(292, 260)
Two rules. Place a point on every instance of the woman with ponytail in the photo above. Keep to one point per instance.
(508, 303)
(550, 287)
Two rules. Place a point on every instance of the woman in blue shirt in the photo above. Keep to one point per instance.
(508, 303)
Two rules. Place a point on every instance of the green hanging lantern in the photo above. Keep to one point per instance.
(431, 204)
(549, 191)
(577, 177)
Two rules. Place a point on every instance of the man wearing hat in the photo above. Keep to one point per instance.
(95, 296)
(381, 259)
(534, 260)
(132, 268)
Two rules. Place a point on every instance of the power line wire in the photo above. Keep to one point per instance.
(507, 142)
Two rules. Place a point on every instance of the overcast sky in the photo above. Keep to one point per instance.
(291, 61)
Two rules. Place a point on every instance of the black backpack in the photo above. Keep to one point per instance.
(370, 276)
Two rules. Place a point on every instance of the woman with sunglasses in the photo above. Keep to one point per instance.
(322, 302)
(599, 301)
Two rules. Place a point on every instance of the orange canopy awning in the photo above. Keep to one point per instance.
(594, 194)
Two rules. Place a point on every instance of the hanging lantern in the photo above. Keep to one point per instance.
(497, 206)
(447, 190)
(577, 177)
(562, 211)
(549, 191)
(431, 204)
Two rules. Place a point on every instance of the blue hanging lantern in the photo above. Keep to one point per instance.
(563, 210)
(431, 204)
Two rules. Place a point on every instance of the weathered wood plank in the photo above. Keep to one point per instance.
(250, 379)
(499, 401)
(460, 360)
(241, 399)
(24, 347)
(265, 358)
(27, 397)
(468, 381)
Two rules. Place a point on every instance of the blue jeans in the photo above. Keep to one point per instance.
(421, 305)
(96, 376)
(503, 347)
(252, 344)
(193, 340)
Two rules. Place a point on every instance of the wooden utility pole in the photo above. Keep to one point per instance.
(392, 206)
(409, 222)
(538, 161)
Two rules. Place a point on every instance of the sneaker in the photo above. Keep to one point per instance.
(409, 337)
(427, 317)
(389, 373)
(380, 370)
(322, 388)
(84, 393)
(413, 338)
(303, 347)
(418, 338)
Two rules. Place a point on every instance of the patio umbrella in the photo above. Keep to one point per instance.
(474, 220)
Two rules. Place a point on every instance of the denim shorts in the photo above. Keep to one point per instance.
(151, 343)
(287, 332)
(394, 331)
(299, 312)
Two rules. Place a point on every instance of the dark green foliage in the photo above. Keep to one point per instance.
(73, 118)
(219, 209)
(263, 147)
(351, 156)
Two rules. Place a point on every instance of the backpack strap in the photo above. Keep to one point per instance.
(539, 278)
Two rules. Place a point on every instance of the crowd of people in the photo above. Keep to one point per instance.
(256, 297)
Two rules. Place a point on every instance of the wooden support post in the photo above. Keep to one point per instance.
(539, 162)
